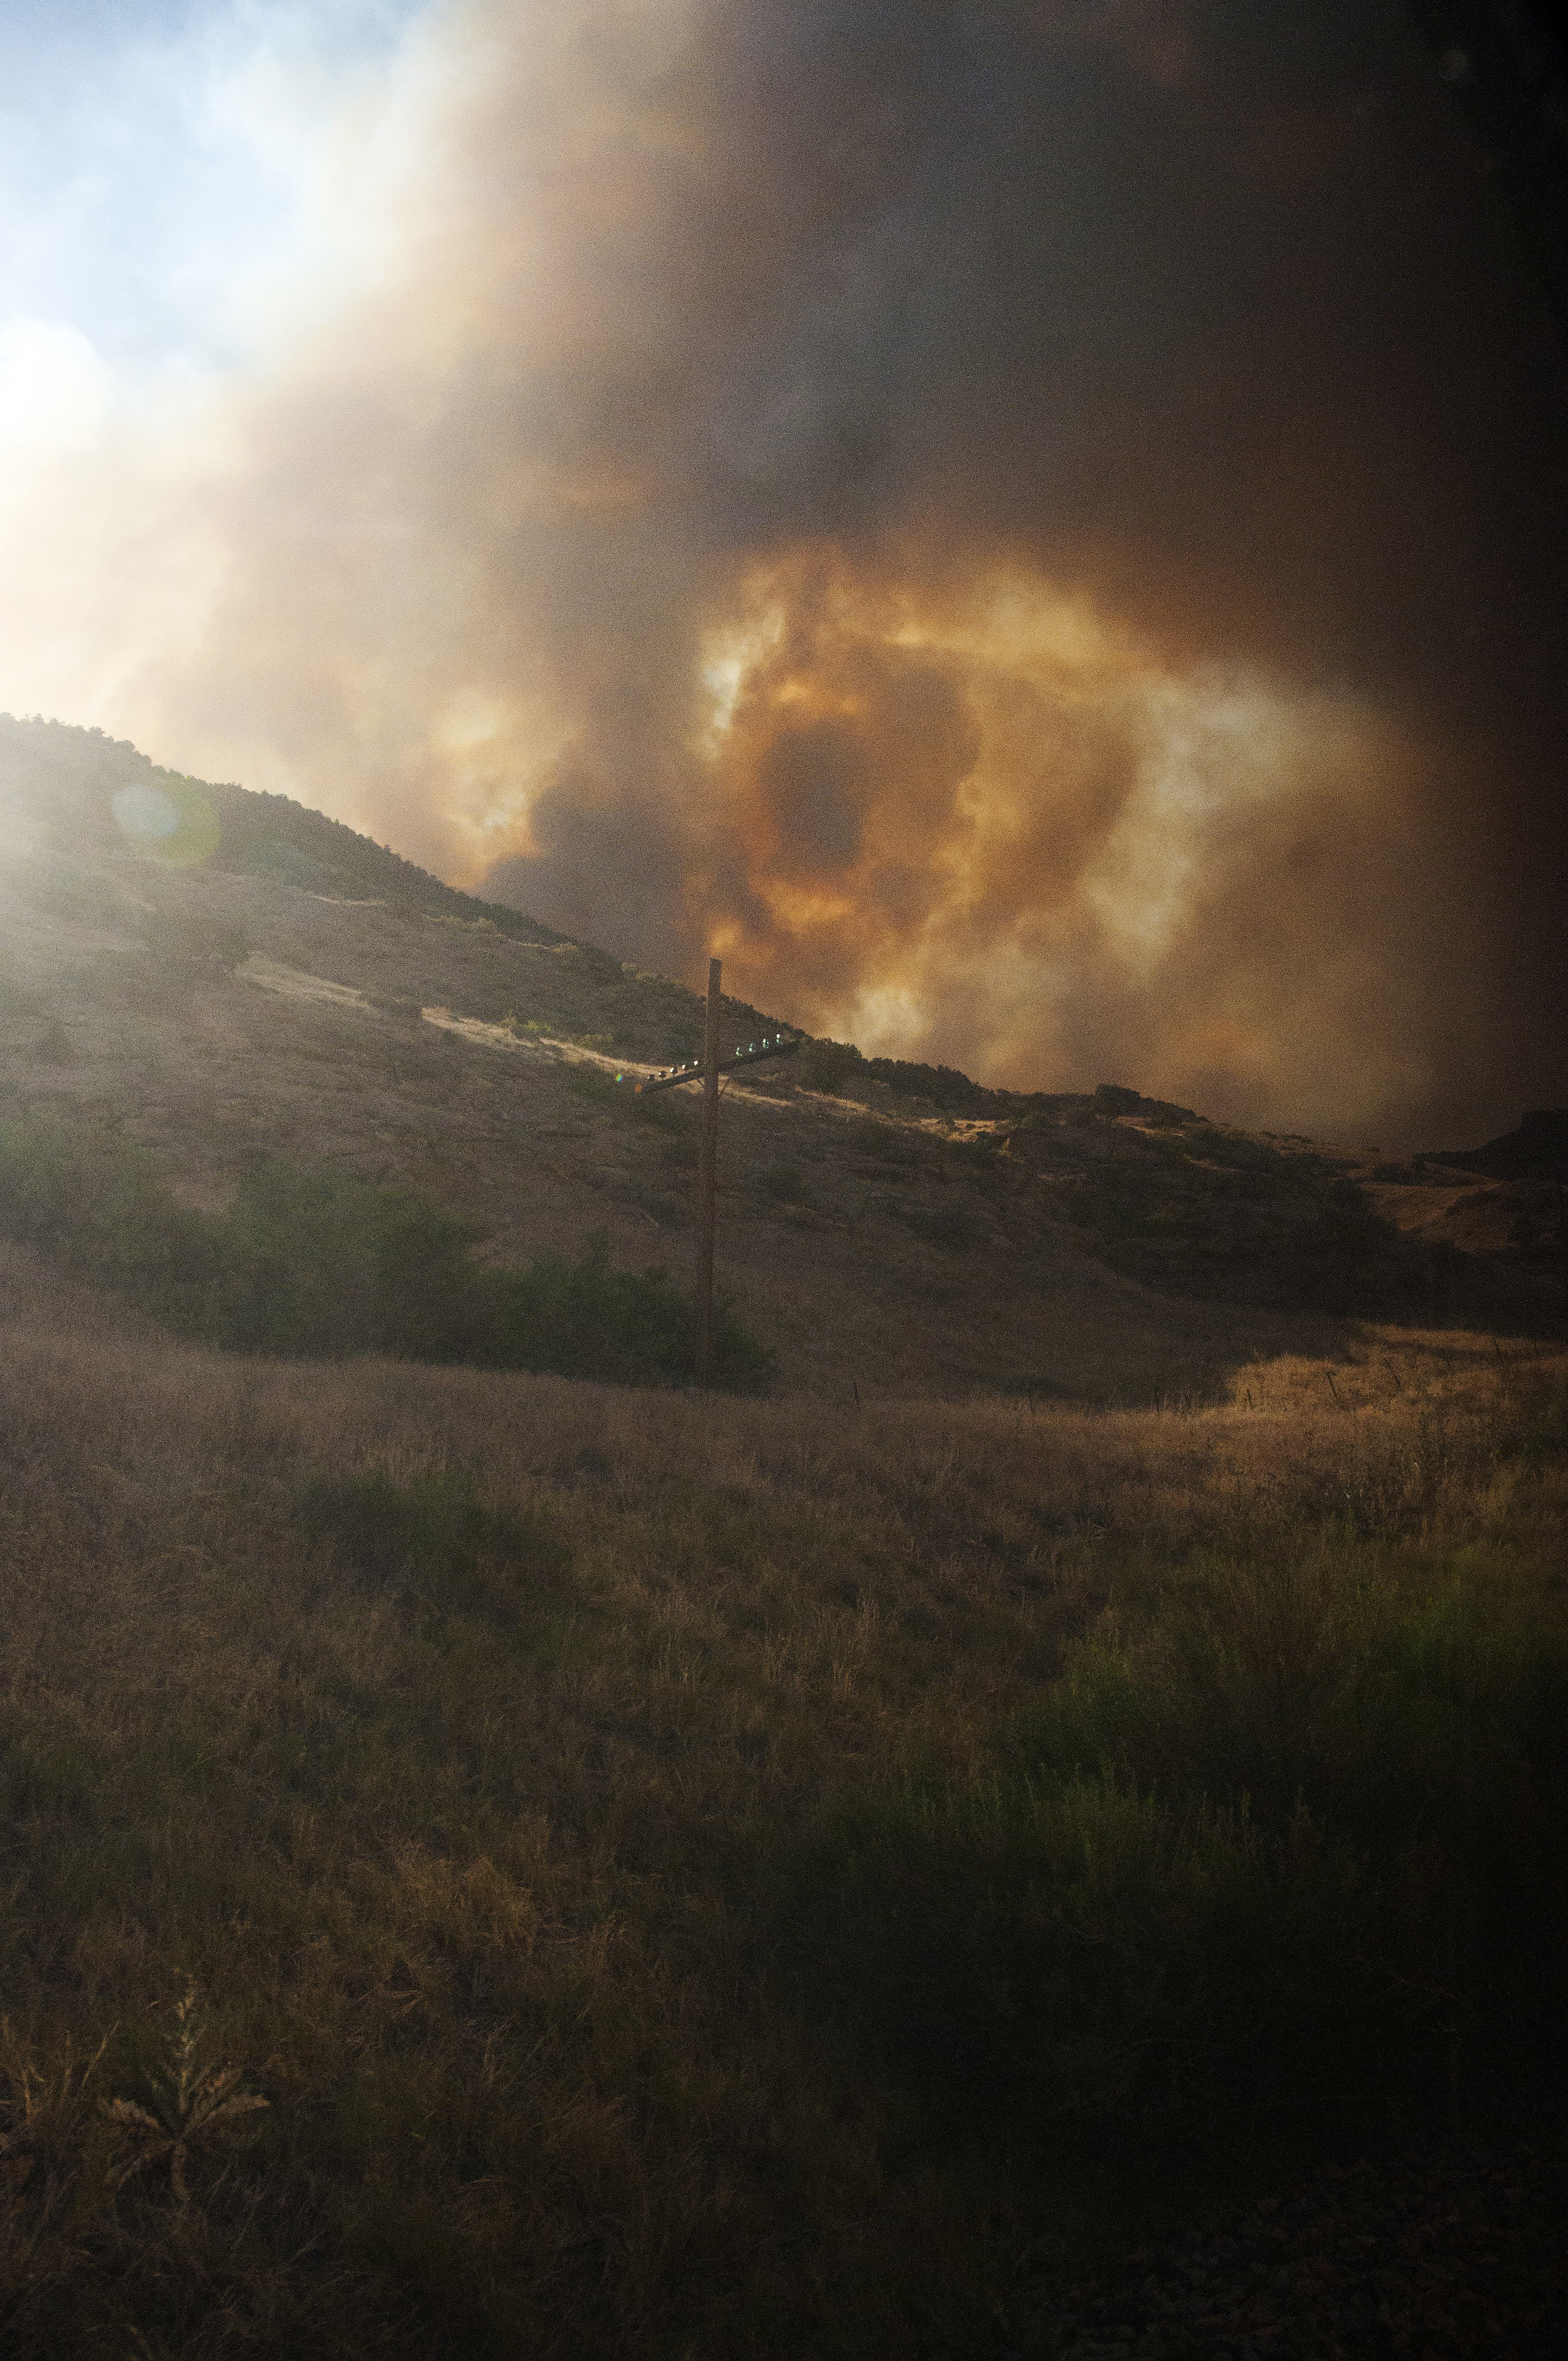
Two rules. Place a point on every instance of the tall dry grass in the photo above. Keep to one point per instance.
(640, 1847)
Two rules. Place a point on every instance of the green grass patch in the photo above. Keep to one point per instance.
(1274, 1855)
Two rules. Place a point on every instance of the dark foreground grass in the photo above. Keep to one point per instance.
(1280, 1847)
(707, 1880)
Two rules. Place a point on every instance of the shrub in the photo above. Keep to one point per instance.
(828, 1065)
(598, 967)
(322, 1264)
(99, 1206)
(584, 1319)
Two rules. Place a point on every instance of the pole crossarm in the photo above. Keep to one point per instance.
(746, 1053)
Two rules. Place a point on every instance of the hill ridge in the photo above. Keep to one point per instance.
(267, 832)
(229, 978)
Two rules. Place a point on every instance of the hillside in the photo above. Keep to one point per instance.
(228, 979)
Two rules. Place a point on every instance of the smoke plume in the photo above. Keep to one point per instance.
(1033, 527)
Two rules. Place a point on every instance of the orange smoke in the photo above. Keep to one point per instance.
(971, 820)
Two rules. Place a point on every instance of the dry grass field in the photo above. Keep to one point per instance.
(717, 1878)
(495, 1865)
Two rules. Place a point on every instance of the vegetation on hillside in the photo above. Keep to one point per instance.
(1188, 1206)
(715, 1878)
(320, 1264)
(1148, 1188)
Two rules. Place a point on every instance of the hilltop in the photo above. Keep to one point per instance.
(228, 979)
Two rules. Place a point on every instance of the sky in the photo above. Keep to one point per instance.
(1033, 528)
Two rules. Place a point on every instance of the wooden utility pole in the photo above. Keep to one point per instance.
(747, 1053)
(710, 1180)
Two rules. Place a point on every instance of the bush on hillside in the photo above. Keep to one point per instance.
(322, 1265)
(827, 1066)
(585, 1319)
